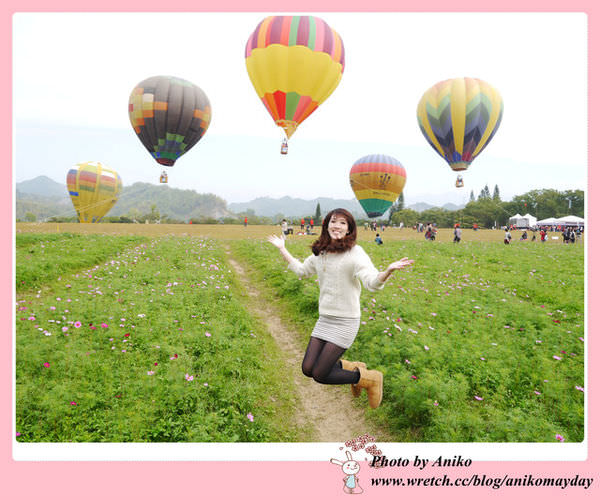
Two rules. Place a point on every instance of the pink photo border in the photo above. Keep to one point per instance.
(266, 478)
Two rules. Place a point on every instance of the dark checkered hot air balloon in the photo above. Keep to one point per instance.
(169, 116)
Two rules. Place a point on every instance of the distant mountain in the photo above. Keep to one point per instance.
(42, 186)
(422, 206)
(295, 207)
(46, 198)
(34, 196)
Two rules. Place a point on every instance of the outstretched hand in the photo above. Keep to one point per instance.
(403, 262)
(277, 241)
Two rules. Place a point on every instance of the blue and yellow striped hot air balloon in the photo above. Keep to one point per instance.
(459, 117)
(294, 63)
(377, 181)
(94, 189)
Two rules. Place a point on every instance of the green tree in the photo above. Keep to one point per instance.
(407, 216)
(496, 196)
(318, 214)
(30, 217)
(472, 197)
(396, 206)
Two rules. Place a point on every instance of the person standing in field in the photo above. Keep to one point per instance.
(245, 221)
(457, 233)
(341, 265)
(302, 224)
(507, 236)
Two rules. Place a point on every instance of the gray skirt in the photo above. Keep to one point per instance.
(337, 330)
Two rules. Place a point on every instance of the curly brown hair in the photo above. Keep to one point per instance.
(325, 243)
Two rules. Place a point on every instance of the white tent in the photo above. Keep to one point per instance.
(531, 220)
(522, 220)
(550, 221)
(515, 220)
(570, 220)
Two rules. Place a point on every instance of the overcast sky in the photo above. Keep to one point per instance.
(73, 74)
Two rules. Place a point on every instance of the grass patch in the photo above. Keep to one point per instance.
(478, 342)
(153, 344)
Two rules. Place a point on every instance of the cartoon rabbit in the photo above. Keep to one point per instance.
(349, 467)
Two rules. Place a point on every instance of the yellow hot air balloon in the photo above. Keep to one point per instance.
(94, 189)
(294, 63)
(377, 181)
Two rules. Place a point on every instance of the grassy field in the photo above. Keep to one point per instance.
(478, 341)
(152, 344)
(234, 232)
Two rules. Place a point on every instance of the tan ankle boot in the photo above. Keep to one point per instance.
(372, 381)
(355, 389)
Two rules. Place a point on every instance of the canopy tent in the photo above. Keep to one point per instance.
(522, 220)
(570, 220)
(550, 221)
(532, 221)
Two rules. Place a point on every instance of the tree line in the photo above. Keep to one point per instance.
(488, 210)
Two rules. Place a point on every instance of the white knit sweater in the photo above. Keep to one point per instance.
(338, 275)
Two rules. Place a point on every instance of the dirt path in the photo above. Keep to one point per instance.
(329, 410)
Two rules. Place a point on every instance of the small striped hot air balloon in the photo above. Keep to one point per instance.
(458, 118)
(294, 63)
(377, 181)
(94, 189)
(169, 116)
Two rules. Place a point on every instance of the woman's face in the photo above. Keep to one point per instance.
(338, 227)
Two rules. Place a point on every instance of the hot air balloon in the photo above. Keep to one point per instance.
(459, 117)
(169, 116)
(94, 189)
(377, 181)
(294, 63)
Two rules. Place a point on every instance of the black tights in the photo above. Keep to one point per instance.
(321, 363)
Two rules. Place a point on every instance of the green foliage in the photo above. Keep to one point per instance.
(41, 258)
(468, 321)
(106, 354)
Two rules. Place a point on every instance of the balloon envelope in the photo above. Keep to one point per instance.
(94, 190)
(459, 117)
(169, 116)
(294, 63)
(377, 181)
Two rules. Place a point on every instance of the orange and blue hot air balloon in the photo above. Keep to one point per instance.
(294, 63)
(459, 117)
(94, 189)
(169, 116)
(377, 181)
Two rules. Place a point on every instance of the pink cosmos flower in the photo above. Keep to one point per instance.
(77, 324)
(579, 388)
(207, 334)
(478, 398)
(73, 403)
(556, 357)
(151, 372)
(47, 365)
(189, 377)
(559, 438)
(104, 325)
(250, 417)
(537, 392)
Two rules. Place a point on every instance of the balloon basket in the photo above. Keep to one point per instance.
(164, 179)
(284, 147)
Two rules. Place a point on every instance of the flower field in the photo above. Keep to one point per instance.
(478, 342)
(153, 343)
(147, 337)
